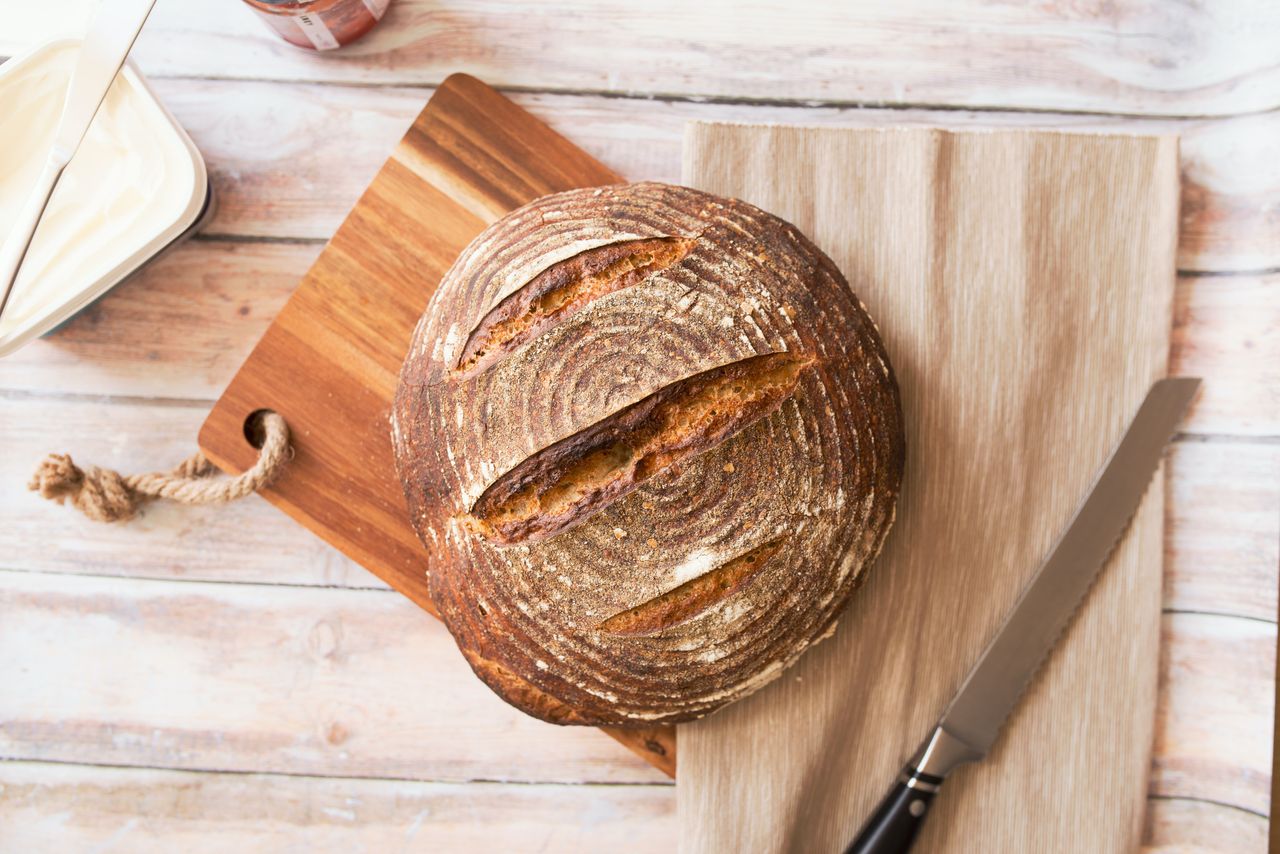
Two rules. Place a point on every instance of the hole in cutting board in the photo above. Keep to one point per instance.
(254, 433)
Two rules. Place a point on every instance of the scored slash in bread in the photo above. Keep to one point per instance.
(651, 441)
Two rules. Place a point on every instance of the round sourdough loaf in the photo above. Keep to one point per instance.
(652, 441)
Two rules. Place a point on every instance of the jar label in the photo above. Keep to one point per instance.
(316, 32)
(377, 8)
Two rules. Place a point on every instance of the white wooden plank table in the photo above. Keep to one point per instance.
(207, 679)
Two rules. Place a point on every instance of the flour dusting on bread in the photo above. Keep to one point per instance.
(652, 442)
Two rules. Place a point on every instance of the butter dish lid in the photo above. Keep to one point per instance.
(136, 185)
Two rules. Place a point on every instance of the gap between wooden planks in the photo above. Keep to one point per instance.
(172, 674)
(185, 325)
(1230, 167)
(1143, 57)
(57, 807)
(74, 807)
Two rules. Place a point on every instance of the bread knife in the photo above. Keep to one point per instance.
(972, 722)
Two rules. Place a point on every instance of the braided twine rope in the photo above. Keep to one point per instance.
(108, 496)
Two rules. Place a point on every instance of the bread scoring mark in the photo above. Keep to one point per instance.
(563, 289)
(694, 597)
(569, 481)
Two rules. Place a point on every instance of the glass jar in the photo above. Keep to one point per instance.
(320, 24)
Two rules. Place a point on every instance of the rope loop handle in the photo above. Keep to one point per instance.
(108, 496)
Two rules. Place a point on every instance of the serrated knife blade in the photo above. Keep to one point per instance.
(972, 721)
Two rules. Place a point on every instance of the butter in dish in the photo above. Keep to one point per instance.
(136, 186)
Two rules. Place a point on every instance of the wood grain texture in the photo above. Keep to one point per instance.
(979, 235)
(469, 157)
(346, 328)
(49, 807)
(1222, 513)
(231, 677)
(1177, 826)
(1222, 530)
(62, 807)
(1209, 710)
(181, 328)
(282, 174)
(1230, 166)
(1228, 557)
(178, 330)
(245, 541)
(1242, 366)
(1141, 56)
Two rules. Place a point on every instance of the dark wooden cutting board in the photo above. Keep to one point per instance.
(330, 360)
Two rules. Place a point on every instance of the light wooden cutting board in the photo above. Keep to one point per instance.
(330, 360)
(1023, 282)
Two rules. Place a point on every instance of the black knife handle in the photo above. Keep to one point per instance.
(892, 828)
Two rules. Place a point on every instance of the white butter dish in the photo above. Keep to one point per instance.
(136, 186)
